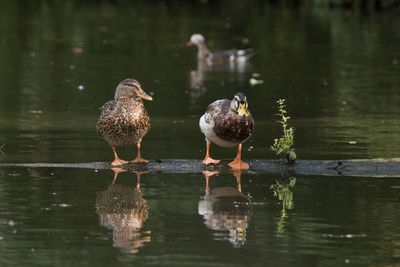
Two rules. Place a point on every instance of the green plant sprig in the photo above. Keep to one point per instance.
(284, 144)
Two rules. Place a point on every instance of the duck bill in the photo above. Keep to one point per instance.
(190, 43)
(145, 96)
(242, 110)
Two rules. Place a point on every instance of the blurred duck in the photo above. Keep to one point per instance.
(124, 120)
(227, 123)
(219, 56)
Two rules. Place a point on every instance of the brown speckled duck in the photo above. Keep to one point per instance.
(124, 120)
(227, 123)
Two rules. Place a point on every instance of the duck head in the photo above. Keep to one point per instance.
(239, 104)
(129, 88)
(196, 39)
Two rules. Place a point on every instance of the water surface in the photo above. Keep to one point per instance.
(60, 216)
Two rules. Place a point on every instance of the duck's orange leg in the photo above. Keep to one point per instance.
(208, 160)
(117, 161)
(139, 157)
(237, 163)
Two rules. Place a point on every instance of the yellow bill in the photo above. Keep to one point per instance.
(242, 109)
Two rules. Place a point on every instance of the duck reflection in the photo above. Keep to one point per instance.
(123, 209)
(239, 72)
(226, 209)
(196, 79)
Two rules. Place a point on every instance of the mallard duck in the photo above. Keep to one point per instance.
(219, 56)
(227, 123)
(124, 120)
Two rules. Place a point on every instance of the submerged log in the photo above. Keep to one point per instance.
(351, 167)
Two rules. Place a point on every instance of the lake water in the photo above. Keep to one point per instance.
(59, 62)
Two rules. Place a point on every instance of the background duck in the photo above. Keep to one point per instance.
(124, 120)
(227, 123)
(219, 56)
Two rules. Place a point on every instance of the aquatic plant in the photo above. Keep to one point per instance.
(284, 144)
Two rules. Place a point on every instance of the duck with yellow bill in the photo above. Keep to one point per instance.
(227, 123)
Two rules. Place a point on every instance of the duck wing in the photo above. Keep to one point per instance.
(108, 107)
(105, 116)
(220, 56)
(228, 125)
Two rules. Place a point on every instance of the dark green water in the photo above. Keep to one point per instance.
(60, 61)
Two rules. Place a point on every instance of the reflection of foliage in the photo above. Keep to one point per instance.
(1, 148)
(283, 145)
(282, 191)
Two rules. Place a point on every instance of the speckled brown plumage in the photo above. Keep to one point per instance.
(228, 125)
(123, 122)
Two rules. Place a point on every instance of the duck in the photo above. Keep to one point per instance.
(124, 120)
(227, 123)
(218, 56)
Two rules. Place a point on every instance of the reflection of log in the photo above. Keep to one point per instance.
(361, 167)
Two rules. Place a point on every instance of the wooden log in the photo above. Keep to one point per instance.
(351, 167)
